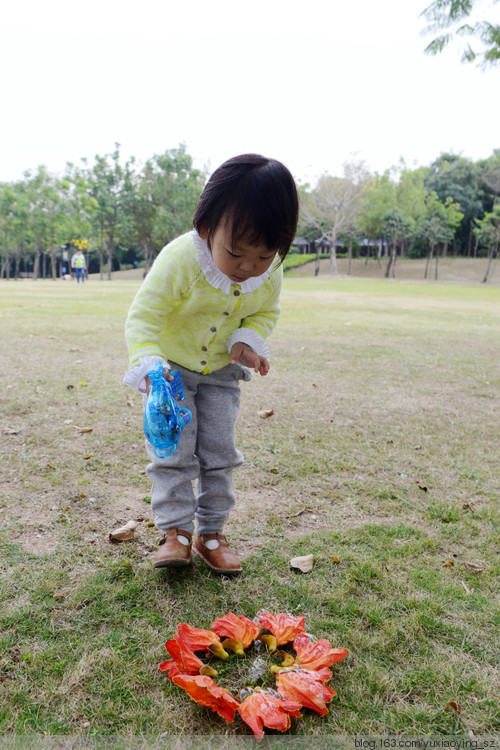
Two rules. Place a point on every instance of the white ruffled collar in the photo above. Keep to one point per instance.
(216, 278)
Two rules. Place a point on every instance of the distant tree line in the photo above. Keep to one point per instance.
(122, 213)
(451, 207)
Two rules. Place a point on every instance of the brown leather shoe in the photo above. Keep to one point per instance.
(222, 559)
(171, 553)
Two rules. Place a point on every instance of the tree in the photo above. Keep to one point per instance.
(41, 190)
(455, 18)
(489, 177)
(380, 200)
(396, 228)
(455, 177)
(438, 225)
(488, 230)
(333, 206)
(167, 192)
(112, 186)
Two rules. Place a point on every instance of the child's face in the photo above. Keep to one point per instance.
(241, 261)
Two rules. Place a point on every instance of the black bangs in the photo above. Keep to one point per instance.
(256, 197)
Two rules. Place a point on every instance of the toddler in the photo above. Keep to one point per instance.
(206, 308)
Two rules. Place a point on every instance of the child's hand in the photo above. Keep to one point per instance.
(167, 374)
(244, 355)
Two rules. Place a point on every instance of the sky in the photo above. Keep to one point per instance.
(314, 83)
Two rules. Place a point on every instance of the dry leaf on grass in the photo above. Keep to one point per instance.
(304, 563)
(335, 559)
(84, 429)
(10, 431)
(130, 401)
(265, 413)
(454, 706)
(474, 567)
(124, 532)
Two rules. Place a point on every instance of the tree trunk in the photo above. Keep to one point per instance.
(445, 249)
(430, 253)
(436, 266)
(101, 263)
(36, 266)
(110, 245)
(491, 253)
(333, 255)
(389, 264)
(4, 273)
(349, 257)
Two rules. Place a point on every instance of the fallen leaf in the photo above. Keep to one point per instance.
(84, 429)
(265, 413)
(124, 532)
(82, 383)
(474, 567)
(10, 431)
(335, 559)
(68, 421)
(150, 524)
(449, 564)
(86, 458)
(422, 487)
(454, 706)
(467, 506)
(304, 563)
(130, 401)
(69, 387)
(58, 596)
(75, 349)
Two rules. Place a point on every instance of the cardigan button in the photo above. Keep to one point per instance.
(225, 313)
(213, 329)
(236, 292)
(203, 362)
(204, 349)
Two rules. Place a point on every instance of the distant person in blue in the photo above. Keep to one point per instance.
(79, 266)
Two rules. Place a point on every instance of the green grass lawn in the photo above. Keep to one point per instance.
(382, 451)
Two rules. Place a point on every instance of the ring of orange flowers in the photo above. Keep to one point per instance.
(301, 680)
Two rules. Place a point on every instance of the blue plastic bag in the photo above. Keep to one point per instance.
(164, 420)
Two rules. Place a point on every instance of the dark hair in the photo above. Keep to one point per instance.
(257, 195)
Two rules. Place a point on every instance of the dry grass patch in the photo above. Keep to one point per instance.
(382, 450)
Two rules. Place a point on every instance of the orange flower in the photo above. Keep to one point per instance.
(240, 628)
(185, 660)
(204, 691)
(316, 655)
(170, 667)
(265, 708)
(197, 639)
(306, 687)
(284, 627)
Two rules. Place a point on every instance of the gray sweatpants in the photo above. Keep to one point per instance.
(206, 454)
